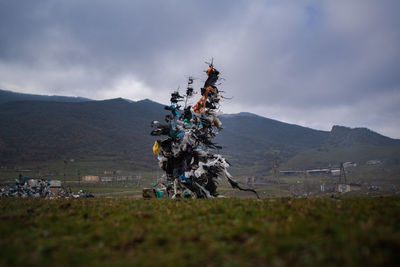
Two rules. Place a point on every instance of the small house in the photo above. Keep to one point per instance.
(91, 178)
(55, 186)
(343, 188)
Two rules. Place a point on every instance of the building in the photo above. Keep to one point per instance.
(119, 178)
(106, 179)
(373, 162)
(91, 178)
(110, 178)
(343, 188)
(55, 186)
(349, 164)
(319, 171)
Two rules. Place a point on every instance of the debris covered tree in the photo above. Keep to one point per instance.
(185, 153)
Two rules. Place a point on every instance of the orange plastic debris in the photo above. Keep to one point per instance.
(209, 70)
(201, 104)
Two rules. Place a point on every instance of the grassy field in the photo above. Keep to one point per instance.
(72, 171)
(227, 232)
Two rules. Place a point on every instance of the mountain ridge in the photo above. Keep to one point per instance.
(118, 128)
(57, 98)
(10, 96)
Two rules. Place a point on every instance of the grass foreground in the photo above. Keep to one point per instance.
(215, 232)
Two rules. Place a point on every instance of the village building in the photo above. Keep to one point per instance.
(91, 178)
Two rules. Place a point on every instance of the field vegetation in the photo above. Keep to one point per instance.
(214, 232)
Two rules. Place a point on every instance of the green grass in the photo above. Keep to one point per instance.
(55, 170)
(227, 232)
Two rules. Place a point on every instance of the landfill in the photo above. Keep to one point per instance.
(37, 188)
(185, 150)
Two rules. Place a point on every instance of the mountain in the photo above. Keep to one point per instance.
(41, 131)
(348, 144)
(345, 136)
(9, 96)
(252, 140)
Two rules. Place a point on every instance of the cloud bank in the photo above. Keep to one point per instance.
(313, 63)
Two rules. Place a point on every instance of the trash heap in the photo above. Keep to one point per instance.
(185, 152)
(27, 188)
(82, 194)
(38, 188)
(67, 193)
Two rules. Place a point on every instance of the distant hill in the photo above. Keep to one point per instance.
(253, 140)
(39, 131)
(9, 96)
(349, 144)
(345, 136)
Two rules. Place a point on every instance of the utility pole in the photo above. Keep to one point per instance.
(276, 174)
(342, 174)
(138, 177)
(65, 167)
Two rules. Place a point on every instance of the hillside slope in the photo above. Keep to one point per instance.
(40, 131)
(349, 144)
(255, 140)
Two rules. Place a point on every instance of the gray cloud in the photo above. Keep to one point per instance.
(307, 62)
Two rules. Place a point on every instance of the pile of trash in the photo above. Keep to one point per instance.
(27, 188)
(185, 153)
(67, 193)
(38, 188)
(82, 193)
(373, 188)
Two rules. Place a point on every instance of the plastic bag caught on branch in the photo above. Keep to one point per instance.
(186, 153)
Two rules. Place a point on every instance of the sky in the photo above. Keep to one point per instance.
(311, 63)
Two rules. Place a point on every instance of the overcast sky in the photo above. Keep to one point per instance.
(312, 63)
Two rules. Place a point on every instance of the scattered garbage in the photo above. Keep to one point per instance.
(82, 194)
(148, 193)
(185, 154)
(373, 188)
(27, 188)
(38, 188)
